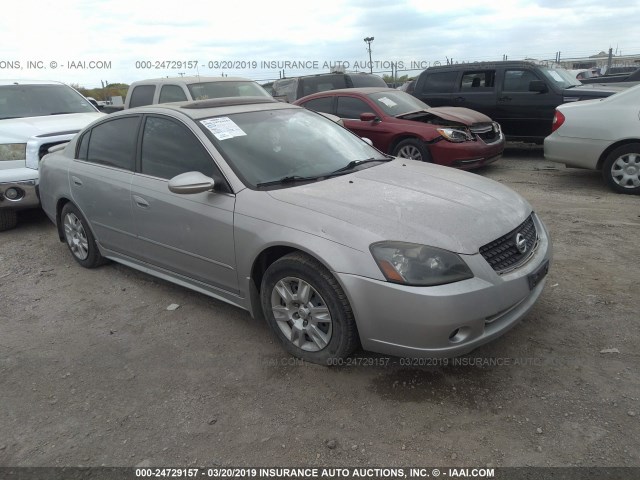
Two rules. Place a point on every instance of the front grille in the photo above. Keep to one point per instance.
(487, 132)
(503, 254)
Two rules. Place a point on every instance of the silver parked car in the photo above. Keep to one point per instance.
(278, 210)
(600, 135)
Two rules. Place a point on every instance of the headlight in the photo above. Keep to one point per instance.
(455, 135)
(13, 151)
(413, 264)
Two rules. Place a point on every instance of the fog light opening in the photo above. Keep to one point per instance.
(459, 334)
(13, 194)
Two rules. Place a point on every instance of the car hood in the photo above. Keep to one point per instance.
(18, 130)
(411, 201)
(459, 114)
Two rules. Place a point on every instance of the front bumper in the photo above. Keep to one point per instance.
(466, 155)
(25, 181)
(447, 320)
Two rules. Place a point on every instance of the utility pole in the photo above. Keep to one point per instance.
(368, 41)
(610, 59)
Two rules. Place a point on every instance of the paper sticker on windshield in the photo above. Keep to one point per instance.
(388, 102)
(222, 128)
(556, 76)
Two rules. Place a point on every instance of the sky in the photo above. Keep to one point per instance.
(120, 41)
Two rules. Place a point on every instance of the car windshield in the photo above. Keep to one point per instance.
(395, 103)
(271, 145)
(205, 90)
(560, 77)
(18, 101)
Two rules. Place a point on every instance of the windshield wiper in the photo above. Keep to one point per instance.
(287, 179)
(354, 163)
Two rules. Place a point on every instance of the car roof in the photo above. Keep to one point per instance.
(213, 107)
(473, 65)
(193, 79)
(29, 82)
(360, 90)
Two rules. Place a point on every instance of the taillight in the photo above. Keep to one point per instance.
(558, 120)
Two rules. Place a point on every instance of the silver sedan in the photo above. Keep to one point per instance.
(282, 212)
(600, 135)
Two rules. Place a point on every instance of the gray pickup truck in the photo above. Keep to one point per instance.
(182, 89)
(34, 116)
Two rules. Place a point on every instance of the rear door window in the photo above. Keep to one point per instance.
(113, 143)
(172, 93)
(142, 95)
(475, 81)
(324, 104)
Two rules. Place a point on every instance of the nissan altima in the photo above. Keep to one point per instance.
(284, 213)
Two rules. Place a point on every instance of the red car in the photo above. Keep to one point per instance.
(401, 125)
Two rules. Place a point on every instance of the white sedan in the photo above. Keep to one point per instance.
(601, 134)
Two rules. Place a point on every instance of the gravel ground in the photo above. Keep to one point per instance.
(94, 370)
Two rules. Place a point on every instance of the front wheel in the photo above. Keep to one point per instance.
(307, 310)
(79, 238)
(412, 149)
(8, 219)
(621, 170)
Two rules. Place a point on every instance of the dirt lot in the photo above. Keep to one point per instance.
(94, 370)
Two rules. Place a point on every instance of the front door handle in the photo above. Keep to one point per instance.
(76, 181)
(141, 202)
(459, 99)
(504, 99)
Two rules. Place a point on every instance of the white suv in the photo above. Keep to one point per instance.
(34, 116)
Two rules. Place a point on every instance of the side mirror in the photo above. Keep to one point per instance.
(538, 86)
(367, 141)
(368, 117)
(191, 182)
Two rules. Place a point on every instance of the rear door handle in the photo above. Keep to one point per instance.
(504, 99)
(141, 202)
(459, 99)
(76, 181)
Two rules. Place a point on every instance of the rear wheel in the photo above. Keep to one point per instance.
(307, 310)
(8, 219)
(79, 238)
(621, 170)
(412, 149)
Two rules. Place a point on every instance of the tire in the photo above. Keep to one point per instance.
(621, 169)
(318, 326)
(412, 149)
(79, 238)
(8, 219)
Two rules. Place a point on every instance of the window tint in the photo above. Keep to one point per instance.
(113, 143)
(286, 88)
(475, 80)
(83, 147)
(169, 149)
(440, 82)
(142, 95)
(320, 105)
(172, 93)
(349, 107)
(322, 83)
(518, 80)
